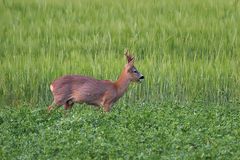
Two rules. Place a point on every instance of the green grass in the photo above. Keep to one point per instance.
(139, 131)
(188, 51)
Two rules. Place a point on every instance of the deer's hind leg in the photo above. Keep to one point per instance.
(68, 104)
(53, 106)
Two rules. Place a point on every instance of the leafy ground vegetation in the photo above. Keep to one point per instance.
(187, 108)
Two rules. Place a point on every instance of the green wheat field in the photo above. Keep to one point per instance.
(188, 107)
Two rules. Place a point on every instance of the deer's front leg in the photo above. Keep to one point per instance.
(107, 101)
(107, 106)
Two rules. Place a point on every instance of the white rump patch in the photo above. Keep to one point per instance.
(51, 87)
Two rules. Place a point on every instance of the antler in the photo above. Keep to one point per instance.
(128, 56)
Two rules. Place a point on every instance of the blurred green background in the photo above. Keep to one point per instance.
(188, 51)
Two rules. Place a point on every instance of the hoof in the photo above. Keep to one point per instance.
(50, 108)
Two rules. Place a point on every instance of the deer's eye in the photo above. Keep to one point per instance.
(133, 70)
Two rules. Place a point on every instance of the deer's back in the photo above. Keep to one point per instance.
(79, 89)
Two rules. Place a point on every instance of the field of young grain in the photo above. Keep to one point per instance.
(187, 107)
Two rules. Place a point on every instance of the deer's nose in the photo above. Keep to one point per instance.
(142, 77)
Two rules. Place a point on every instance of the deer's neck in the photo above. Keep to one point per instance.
(122, 84)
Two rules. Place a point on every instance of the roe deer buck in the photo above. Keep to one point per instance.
(71, 89)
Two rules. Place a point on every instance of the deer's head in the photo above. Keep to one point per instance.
(131, 71)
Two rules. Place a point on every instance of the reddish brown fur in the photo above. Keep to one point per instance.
(71, 89)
